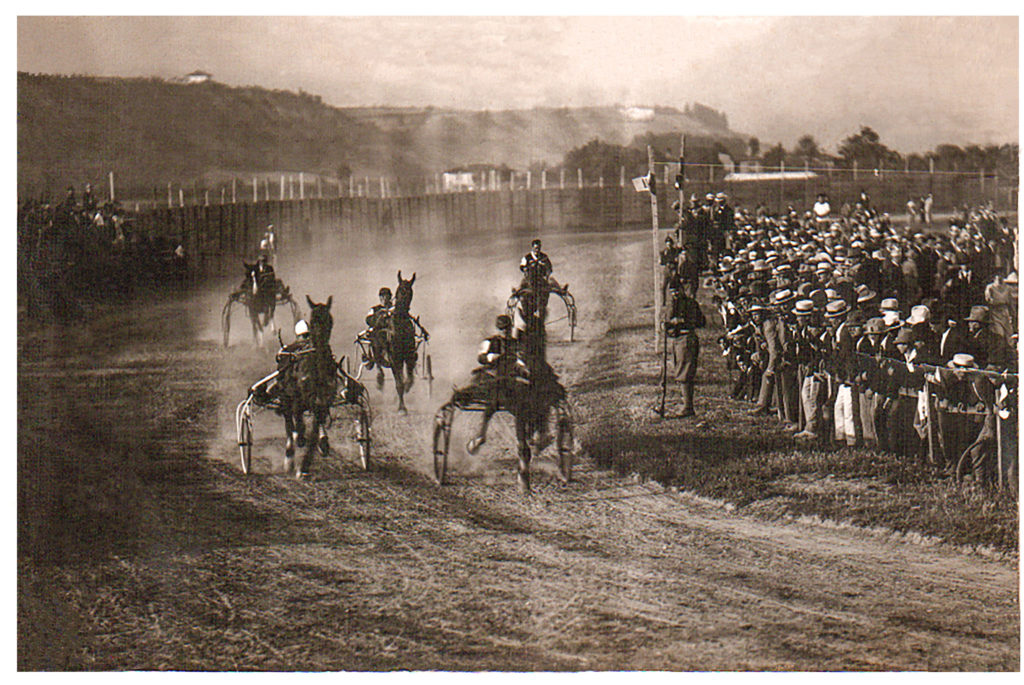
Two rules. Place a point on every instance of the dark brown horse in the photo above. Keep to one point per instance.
(401, 340)
(308, 381)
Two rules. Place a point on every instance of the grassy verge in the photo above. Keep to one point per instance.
(750, 463)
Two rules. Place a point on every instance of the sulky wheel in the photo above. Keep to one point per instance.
(363, 436)
(442, 438)
(564, 440)
(245, 442)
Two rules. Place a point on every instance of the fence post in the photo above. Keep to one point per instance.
(561, 178)
(234, 190)
(579, 178)
(181, 197)
(544, 179)
(111, 186)
(255, 190)
(855, 169)
(206, 197)
(302, 186)
(170, 198)
(622, 177)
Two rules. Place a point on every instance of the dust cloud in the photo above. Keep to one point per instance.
(462, 284)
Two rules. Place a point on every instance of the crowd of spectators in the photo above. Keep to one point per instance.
(861, 332)
(83, 249)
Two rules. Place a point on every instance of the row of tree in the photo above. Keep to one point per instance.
(867, 151)
(863, 149)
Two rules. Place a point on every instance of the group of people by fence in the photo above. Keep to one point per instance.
(857, 332)
(83, 248)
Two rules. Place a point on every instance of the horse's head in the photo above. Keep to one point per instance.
(403, 293)
(252, 277)
(320, 320)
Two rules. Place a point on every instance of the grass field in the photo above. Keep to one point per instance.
(750, 463)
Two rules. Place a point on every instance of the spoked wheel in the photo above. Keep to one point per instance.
(564, 440)
(570, 312)
(245, 441)
(442, 439)
(363, 436)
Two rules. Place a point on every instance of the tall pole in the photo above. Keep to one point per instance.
(681, 178)
(111, 176)
(652, 188)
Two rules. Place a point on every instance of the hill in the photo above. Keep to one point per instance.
(149, 132)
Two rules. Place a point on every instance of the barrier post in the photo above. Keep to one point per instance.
(930, 418)
(652, 176)
(999, 443)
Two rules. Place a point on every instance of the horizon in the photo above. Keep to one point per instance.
(958, 73)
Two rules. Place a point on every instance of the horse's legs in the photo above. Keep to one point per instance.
(396, 371)
(257, 330)
(289, 443)
(410, 373)
(523, 430)
(318, 441)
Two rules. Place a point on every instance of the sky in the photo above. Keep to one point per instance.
(918, 81)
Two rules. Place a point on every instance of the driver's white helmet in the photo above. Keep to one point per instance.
(301, 328)
(264, 245)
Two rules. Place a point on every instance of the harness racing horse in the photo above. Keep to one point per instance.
(308, 382)
(531, 393)
(400, 340)
(260, 295)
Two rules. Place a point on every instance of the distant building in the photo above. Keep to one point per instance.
(198, 77)
(455, 181)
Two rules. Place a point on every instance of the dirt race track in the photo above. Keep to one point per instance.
(142, 546)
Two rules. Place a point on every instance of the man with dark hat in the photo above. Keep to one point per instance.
(987, 348)
(683, 317)
(667, 260)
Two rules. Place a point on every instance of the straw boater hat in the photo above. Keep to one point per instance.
(919, 314)
(836, 309)
(804, 307)
(756, 307)
(890, 304)
(891, 319)
(782, 297)
(1011, 279)
(962, 361)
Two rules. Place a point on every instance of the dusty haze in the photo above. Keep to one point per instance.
(777, 77)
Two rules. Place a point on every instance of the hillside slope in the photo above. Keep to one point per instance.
(150, 132)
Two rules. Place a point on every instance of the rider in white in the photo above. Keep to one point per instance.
(265, 389)
(268, 245)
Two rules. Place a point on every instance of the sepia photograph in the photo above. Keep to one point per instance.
(481, 344)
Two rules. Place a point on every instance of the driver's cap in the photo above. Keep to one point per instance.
(503, 321)
(301, 327)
